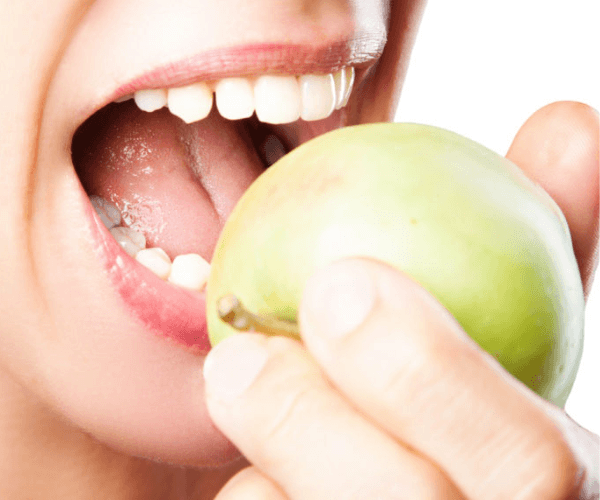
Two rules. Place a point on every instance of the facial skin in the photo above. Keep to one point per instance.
(69, 347)
(112, 402)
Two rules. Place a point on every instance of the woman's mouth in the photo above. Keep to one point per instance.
(164, 163)
(110, 344)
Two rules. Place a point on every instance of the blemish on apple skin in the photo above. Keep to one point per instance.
(314, 184)
(536, 380)
(413, 221)
(322, 183)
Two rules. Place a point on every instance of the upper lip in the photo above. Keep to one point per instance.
(258, 59)
(361, 52)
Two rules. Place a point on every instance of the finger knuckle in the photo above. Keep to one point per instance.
(415, 385)
(538, 464)
(297, 405)
(294, 407)
(552, 470)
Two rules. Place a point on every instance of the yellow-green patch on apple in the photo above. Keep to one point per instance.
(461, 220)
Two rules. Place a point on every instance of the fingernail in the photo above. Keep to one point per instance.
(339, 298)
(233, 365)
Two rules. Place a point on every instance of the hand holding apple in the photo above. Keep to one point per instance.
(462, 221)
(404, 404)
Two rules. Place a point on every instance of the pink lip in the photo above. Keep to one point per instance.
(261, 58)
(163, 308)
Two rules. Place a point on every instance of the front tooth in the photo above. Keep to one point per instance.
(155, 259)
(350, 79)
(150, 99)
(318, 96)
(109, 214)
(130, 240)
(277, 99)
(235, 98)
(192, 102)
(189, 271)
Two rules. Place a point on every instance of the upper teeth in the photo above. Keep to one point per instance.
(274, 98)
(235, 98)
(190, 103)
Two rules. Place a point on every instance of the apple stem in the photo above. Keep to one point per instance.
(232, 311)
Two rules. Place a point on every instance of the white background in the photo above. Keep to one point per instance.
(481, 69)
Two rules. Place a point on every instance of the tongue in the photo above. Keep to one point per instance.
(173, 182)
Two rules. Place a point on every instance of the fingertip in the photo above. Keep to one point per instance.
(233, 365)
(558, 148)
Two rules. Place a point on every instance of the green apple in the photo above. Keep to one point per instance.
(461, 220)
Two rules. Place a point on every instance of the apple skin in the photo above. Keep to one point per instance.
(461, 220)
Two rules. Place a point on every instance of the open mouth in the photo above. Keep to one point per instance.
(163, 168)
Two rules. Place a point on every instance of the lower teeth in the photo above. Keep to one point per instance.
(188, 271)
(155, 259)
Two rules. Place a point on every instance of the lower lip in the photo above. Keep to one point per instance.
(164, 308)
